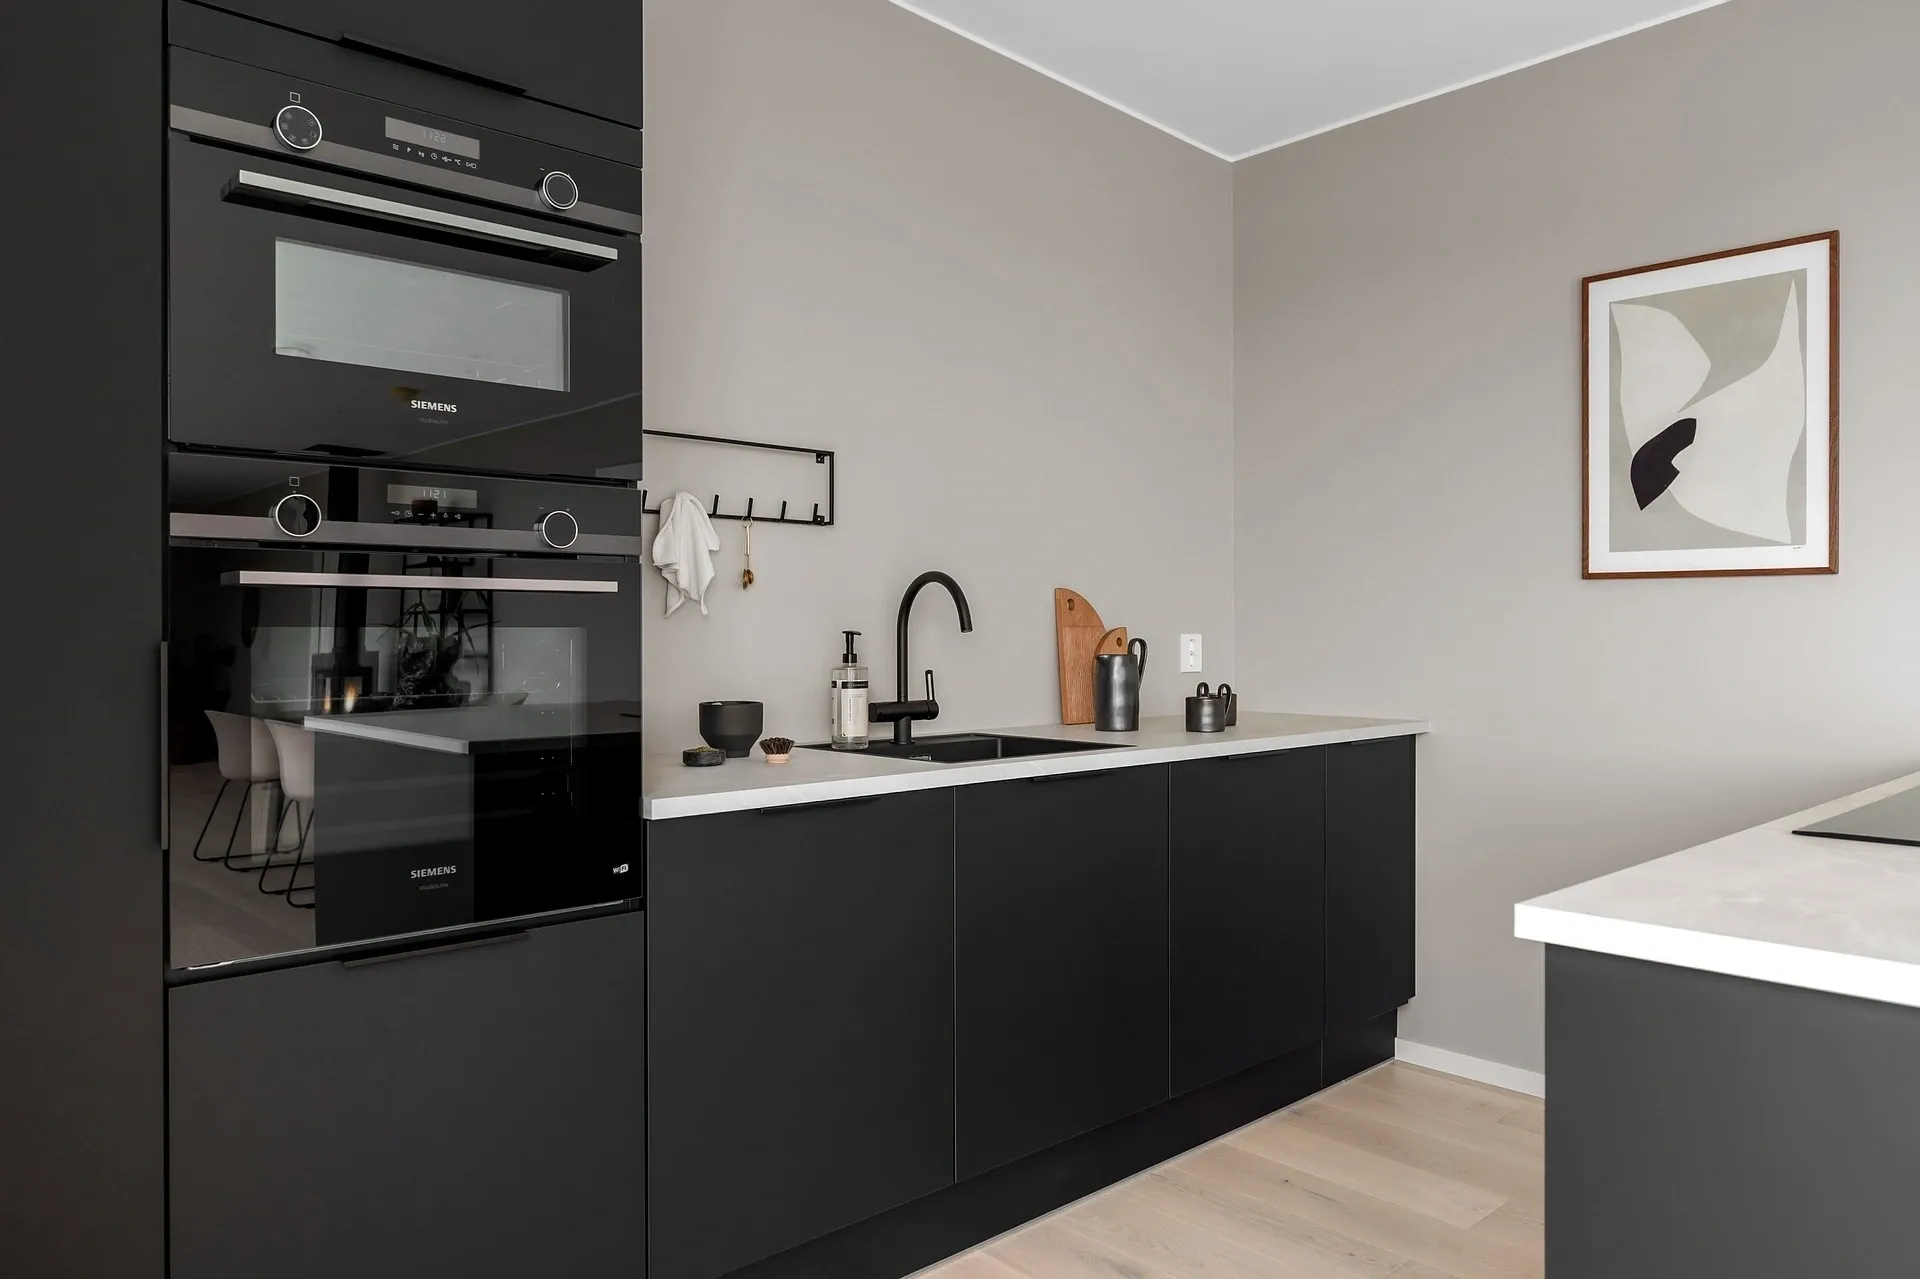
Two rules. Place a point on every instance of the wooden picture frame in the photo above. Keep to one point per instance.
(1709, 429)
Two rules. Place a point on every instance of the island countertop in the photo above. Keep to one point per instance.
(1797, 910)
(671, 789)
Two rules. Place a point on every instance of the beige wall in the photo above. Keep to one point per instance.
(1407, 426)
(1008, 307)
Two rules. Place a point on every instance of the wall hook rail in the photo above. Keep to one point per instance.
(821, 457)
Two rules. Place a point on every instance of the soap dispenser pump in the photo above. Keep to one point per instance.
(849, 683)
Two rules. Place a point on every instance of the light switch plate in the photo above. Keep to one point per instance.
(1189, 654)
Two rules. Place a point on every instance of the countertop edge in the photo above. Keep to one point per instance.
(1886, 981)
(941, 776)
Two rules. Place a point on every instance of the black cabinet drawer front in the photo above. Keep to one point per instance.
(1248, 911)
(1061, 953)
(1370, 879)
(800, 1025)
(476, 1111)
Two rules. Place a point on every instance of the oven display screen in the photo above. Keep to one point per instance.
(423, 143)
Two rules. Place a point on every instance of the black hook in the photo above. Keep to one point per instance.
(716, 505)
(749, 508)
(783, 508)
(816, 512)
(643, 501)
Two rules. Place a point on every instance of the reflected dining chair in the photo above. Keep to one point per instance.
(247, 756)
(294, 745)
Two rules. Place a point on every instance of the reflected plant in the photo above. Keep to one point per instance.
(428, 642)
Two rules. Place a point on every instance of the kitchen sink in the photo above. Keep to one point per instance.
(968, 748)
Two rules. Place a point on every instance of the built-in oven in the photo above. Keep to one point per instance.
(354, 279)
(397, 703)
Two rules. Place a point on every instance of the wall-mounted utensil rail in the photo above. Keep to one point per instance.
(822, 457)
(406, 582)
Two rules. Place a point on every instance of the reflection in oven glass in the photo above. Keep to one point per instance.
(430, 768)
(384, 313)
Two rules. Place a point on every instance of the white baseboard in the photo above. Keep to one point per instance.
(1478, 1069)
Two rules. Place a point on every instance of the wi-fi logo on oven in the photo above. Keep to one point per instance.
(412, 395)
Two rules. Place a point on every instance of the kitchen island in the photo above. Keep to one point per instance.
(1731, 1039)
(895, 1008)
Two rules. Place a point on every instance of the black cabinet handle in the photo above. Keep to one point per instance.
(1070, 777)
(419, 952)
(823, 803)
(166, 797)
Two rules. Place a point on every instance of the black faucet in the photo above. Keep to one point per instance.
(901, 712)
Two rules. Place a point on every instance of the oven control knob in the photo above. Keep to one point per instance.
(558, 529)
(297, 515)
(298, 127)
(560, 190)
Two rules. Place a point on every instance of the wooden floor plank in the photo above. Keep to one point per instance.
(1054, 1250)
(1402, 1173)
(1527, 1119)
(1336, 1159)
(1496, 1135)
(1364, 1216)
(1501, 1173)
(1305, 1246)
(975, 1265)
(1139, 1230)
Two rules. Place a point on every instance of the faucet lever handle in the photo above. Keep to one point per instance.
(930, 696)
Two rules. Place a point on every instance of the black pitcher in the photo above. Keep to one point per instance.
(1116, 689)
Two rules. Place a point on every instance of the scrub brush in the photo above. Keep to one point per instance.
(779, 749)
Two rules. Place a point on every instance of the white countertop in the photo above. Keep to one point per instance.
(671, 789)
(1797, 910)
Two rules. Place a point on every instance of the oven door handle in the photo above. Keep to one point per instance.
(268, 188)
(417, 582)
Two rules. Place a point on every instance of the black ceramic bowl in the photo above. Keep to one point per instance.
(732, 727)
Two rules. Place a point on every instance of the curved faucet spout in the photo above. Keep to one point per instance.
(906, 615)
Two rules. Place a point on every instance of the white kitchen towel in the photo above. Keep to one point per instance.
(683, 551)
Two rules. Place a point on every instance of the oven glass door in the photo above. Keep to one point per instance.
(327, 313)
(365, 744)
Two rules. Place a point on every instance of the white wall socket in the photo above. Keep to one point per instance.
(1189, 654)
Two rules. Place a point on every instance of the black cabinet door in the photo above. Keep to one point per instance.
(800, 1024)
(1249, 911)
(475, 1111)
(1061, 959)
(581, 54)
(1369, 879)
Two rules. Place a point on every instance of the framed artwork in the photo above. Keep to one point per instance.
(1710, 433)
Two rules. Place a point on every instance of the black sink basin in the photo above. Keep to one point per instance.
(969, 748)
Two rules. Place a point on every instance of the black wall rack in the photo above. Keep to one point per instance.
(822, 457)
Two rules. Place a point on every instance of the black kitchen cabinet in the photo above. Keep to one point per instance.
(1369, 879)
(1061, 957)
(472, 1110)
(800, 1024)
(580, 54)
(1248, 916)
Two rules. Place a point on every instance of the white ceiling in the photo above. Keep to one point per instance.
(1237, 77)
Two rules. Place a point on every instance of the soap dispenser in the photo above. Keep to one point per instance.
(849, 683)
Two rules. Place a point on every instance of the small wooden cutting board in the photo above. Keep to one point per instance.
(1080, 635)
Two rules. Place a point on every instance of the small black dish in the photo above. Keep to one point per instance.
(702, 757)
(732, 726)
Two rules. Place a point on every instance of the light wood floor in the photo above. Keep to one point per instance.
(1401, 1172)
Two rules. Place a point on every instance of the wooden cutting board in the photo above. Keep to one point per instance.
(1079, 635)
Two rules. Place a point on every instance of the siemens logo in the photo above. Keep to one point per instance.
(435, 406)
(430, 872)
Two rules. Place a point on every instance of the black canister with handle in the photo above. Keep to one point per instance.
(1206, 713)
(1116, 689)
